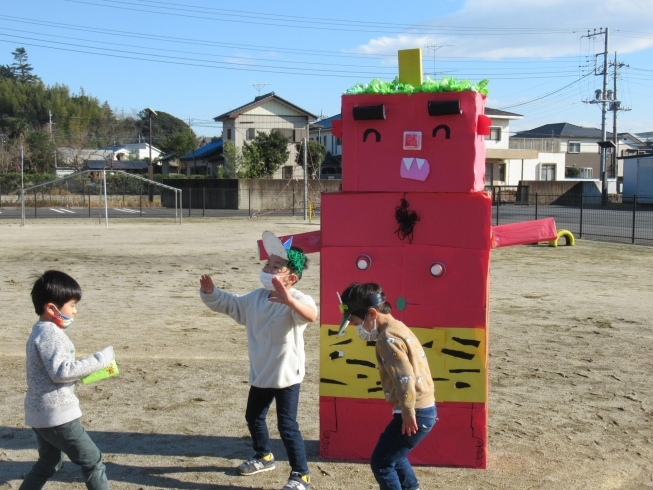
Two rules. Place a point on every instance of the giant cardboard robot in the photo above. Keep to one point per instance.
(425, 151)
(407, 157)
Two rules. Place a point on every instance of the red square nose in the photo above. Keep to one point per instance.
(412, 140)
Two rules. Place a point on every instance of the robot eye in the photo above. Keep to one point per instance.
(363, 262)
(437, 269)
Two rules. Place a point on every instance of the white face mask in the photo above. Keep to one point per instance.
(266, 280)
(370, 336)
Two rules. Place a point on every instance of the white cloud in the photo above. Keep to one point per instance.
(531, 17)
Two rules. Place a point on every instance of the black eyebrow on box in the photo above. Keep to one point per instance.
(369, 112)
(444, 107)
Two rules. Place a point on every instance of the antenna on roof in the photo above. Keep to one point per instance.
(258, 86)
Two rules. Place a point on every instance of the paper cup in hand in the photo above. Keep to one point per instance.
(107, 372)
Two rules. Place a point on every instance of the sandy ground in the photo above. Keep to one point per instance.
(571, 367)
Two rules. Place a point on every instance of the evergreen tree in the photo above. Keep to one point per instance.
(21, 69)
(265, 154)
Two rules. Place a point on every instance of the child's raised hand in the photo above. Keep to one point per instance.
(206, 284)
(282, 295)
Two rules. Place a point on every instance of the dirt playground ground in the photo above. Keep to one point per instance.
(571, 360)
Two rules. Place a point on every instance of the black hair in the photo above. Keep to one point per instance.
(357, 291)
(292, 267)
(54, 287)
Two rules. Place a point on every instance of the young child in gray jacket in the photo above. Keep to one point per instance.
(51, 407)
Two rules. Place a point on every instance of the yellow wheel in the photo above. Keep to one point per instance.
(569, 238)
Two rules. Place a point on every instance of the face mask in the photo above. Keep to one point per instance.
(266, 280)
(61, 320)
(370, 336)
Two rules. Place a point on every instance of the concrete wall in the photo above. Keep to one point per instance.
(253, 194)
(270, 194)
(558, 192)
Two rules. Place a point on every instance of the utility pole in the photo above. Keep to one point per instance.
(602, 99)
(150, 168)
(615, 106)
(194, 168)
(52, 137)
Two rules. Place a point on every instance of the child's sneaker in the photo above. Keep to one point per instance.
(297, 481)
(257, 464)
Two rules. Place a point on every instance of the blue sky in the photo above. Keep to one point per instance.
(198, 58)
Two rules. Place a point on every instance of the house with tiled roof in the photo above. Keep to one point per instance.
(578, 144)
(266, 113)
(205, 160)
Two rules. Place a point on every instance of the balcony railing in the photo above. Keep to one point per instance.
(543, 145)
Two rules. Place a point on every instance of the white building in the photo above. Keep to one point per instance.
(505, 165)
(69, 156)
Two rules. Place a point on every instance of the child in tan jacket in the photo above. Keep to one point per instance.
(405, 378)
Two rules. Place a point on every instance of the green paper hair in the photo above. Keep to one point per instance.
(446, 84)
(296, 261)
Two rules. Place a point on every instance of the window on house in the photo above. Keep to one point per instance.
(502, 172)
(488, 174)
(287, 132)
(287, 172)
(495, 134)
(324, 140)
(229, 133)
(585, 172)
(250, 134)
(548, 171)
(338, 142)
(298, 135)
(573, 147)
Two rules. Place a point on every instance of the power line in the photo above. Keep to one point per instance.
(546, 95)
(170, 59)
(254, 47)
(316, 24)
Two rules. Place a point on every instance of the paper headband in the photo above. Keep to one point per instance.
(273, 246)
(347, 309)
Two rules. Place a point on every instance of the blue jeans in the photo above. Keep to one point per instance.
(72, 440)
(389, 460)
(258, 404)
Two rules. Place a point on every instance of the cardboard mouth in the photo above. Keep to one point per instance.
(414, 168)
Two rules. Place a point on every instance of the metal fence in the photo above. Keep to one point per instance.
(629, 221)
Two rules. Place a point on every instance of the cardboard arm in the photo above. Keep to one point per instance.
(309, 242)
(541, 230)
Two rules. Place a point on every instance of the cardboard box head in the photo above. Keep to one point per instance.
(425, 142)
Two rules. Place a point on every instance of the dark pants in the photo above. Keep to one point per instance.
(389, 460)
(72, 440)
(258, 404)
